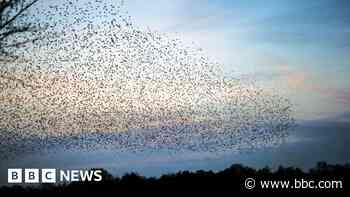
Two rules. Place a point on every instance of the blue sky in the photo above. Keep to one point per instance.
(297, 47)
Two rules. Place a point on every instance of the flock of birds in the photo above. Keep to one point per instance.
(95, 80)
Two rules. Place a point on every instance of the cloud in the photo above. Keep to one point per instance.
(296, 79)
(340, 95)
(302, 81)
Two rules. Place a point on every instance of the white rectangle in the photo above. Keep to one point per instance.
(48, 175)
(14, 175)
(31, 175)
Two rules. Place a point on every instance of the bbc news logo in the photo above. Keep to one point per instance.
(31, 175)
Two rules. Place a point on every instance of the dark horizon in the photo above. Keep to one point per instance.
(232, 179)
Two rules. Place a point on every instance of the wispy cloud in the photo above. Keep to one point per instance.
(303, 81)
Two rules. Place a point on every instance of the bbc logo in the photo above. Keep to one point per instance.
(31, 175)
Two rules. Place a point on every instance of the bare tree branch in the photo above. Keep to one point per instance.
(10, 11)
(18, 14)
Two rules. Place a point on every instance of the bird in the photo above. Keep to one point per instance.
(100, 81)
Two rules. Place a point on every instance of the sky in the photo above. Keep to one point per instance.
(299, 48)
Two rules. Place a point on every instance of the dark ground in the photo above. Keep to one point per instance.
(230, 180)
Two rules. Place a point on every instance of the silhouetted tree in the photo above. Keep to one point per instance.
(11, 25)
(230, 181)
